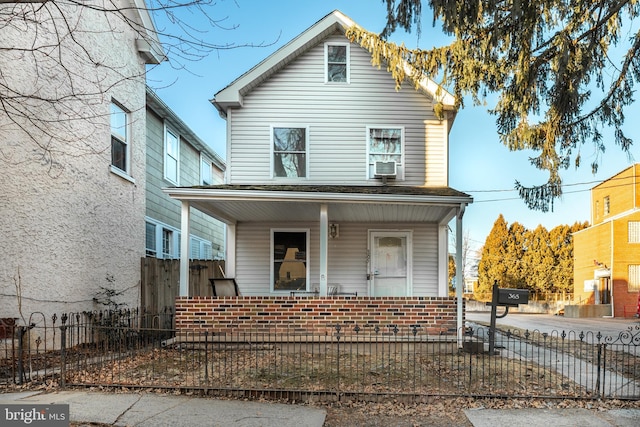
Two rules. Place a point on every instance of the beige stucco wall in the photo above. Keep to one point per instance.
(69, 225)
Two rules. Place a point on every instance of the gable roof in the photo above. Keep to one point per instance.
(232, 95)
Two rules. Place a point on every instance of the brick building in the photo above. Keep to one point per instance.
(607, 254)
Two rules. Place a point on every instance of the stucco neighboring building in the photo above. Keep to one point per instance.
(176, 156)
(72, 215)
(607, 254)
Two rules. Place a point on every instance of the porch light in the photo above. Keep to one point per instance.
(334, 230)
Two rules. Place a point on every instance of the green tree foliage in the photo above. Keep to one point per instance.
(552, 64)
(538, 260)
(492, 267)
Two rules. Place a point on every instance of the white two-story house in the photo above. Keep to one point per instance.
(336, 182)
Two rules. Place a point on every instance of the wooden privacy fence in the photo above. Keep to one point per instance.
(160, 280)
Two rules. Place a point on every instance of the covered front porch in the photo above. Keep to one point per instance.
(345, 234)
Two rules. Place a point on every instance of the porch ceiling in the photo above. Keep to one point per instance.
(233, 204)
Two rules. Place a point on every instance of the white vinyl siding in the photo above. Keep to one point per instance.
(336, 116)
(347, 262)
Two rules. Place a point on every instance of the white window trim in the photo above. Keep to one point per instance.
(205, 160)
(165, 155)
(326, 63)
(271, 260)
(175, 249)
(126, 174)
(306, 157)
(401, 166)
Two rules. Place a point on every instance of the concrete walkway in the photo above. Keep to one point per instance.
(151, 410)
(580, 371)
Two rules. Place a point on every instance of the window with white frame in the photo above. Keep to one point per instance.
(289, 260)
(167, 243)
(385, 144)
(634, 231)
(150, 240)
(200, 248)
(171, 155)
(163, 241)
(119, 138)
(337, 63)
(289, 145)
(634, 278)
(206, 176)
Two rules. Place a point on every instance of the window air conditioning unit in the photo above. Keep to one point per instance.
(385, 169)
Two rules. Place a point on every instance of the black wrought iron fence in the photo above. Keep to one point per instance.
(348, 362)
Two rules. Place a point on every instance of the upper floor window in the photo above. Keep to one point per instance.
(171, 155)
(385, 144)
(634, 231)
(206, 177)
(337, 63)
(289, 152)
(607, 205)
(119, 138)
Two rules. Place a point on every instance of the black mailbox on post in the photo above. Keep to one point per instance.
(513, 296)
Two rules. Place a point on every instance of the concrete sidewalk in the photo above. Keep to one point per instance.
(150, 410)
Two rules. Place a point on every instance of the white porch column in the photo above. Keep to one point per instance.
(184, 250)
(324, 248)
(459, 274)
(230, 254)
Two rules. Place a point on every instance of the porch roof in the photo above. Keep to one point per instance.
(387, 203)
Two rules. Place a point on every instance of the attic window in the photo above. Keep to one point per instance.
(337, 63)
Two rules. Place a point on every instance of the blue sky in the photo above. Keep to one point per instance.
(479, 164)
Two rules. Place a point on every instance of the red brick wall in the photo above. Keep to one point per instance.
(310, 314)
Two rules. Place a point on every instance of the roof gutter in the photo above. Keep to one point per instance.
(288, 196)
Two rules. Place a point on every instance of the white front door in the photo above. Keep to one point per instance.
(390, 263)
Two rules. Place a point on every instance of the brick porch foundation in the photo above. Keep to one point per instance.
(432, 315)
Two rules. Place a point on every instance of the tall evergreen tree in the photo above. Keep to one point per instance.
(492, 267)
(516, 275)
(552, 65)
